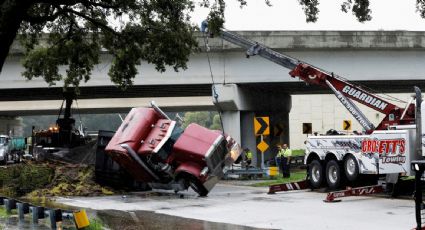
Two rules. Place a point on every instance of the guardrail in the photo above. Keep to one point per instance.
(39, 212)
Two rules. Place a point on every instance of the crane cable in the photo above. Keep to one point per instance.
(215, 94)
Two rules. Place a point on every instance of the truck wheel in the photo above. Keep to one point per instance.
(333, 174)
(351, 168)
(315, 172)
(198, 187)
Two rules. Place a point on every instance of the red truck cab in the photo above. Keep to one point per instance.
(155, 150)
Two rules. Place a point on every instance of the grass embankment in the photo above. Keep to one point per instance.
(95, 224)
(296, 175)
(18, 180)
(71, 180)
(298, 152)
(35, 180)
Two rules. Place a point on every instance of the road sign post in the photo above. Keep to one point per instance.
(262, 128)
(262, 146)
(262, 155)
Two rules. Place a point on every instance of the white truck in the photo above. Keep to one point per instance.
(11, 148)
(332, 159)
(388, 148)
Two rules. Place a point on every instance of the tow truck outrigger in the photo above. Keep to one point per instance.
(388, 148)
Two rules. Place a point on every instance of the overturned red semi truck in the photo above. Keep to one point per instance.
(155, 150)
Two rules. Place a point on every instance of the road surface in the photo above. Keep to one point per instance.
(250, 206)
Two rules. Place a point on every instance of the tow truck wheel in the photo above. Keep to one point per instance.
(351, 168)
(333, 174)
(315, 172)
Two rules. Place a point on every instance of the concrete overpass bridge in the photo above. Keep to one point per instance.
(390, 61)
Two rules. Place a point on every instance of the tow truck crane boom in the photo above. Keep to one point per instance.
(342, 89)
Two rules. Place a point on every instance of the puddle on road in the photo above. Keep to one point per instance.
(132, 220)
(135, 220)
(265, 199)
(124, 220)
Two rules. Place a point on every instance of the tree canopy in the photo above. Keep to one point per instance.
(76, 32)
(206, 119)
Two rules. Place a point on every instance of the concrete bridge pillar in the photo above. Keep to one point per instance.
(241, 104)
(11, 125)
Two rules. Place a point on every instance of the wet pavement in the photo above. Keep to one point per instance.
(237, 206)
(141, 220)
(123, 220)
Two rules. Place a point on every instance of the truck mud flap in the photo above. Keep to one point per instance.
(300, 185)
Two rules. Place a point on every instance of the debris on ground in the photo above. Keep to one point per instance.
(19, 179)
(84, 154)
(34, 180)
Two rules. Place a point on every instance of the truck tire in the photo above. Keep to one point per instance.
(315, 172)
(198, 187)
(351, 168)
(333, 174)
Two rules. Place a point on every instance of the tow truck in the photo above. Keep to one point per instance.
(387, 149)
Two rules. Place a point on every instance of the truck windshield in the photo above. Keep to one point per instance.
(2, 140)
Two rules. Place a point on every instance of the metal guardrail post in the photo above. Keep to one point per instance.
(23, 208)
(9, 204)
(39, 212)
(55, 215)
(36, 213)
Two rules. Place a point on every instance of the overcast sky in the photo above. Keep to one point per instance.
(288, 15)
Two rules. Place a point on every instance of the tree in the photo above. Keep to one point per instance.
(216, 122)
(206, 119)
(75, 32)
(156, 31)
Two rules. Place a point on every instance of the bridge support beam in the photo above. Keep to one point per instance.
(11, 125)
(240, 105)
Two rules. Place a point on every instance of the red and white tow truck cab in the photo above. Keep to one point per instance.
(155, 150)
